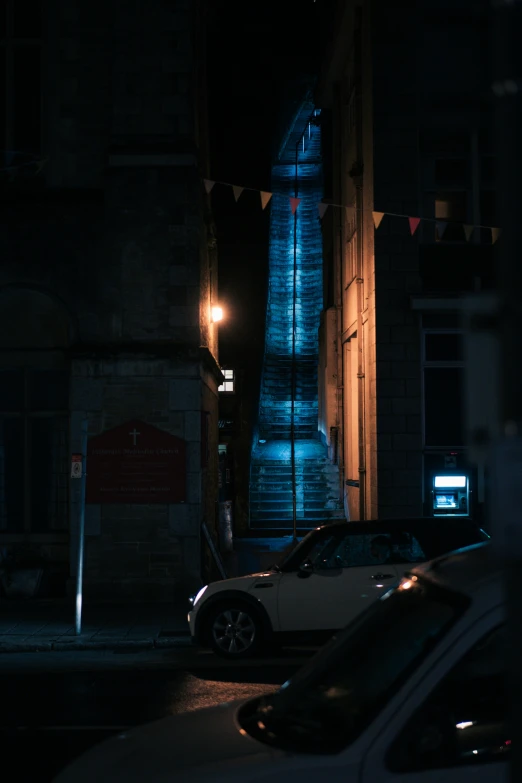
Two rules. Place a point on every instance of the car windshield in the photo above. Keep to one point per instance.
(336, 695)
(312, 543)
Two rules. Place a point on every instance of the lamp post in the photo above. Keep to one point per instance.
(506, 510)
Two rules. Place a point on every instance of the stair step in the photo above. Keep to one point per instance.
(321, 516)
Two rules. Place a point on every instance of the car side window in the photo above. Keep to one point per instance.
(407, 549)
(464, 720)
(350, 551)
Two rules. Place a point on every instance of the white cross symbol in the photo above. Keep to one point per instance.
(133, 435)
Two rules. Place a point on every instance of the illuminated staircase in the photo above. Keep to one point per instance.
(317, 480)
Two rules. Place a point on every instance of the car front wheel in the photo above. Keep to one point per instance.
(234, 631)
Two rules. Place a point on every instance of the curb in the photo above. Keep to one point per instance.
(77, 645)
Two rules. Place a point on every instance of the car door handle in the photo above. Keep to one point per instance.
(263, 584)
(383, 576)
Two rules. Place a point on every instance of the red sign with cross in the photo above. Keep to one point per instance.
(136, 463)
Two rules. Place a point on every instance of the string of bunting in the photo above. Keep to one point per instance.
(322, 206)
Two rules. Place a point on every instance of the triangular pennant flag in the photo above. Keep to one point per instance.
(441, 228)
(377, 217)
(265, 198)
(414, 224)
(237, 191)
(322, 209)
(209, 184)
(468, 230)
(495, 233)
(294, 203)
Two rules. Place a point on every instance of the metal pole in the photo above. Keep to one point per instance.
(294, 384)
(81, 533)
(507, 26)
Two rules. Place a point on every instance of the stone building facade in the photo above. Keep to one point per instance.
(407, 131)
(108, 274)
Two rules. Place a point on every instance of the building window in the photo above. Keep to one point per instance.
(443, 389)
(228, 385)
(20, 77)
(452, 172)
(34, 450)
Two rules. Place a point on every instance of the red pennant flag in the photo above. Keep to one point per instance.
(237, 191)
(468, 230)
(414, 224)
(322, 209)
(265, 198)
(377, 217)
(209, 184)
(294, 203)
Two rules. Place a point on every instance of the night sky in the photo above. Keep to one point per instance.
(256, 52)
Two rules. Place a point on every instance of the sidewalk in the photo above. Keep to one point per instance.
(46, 626)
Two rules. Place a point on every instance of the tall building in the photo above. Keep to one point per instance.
(108, 276)
(406, 134)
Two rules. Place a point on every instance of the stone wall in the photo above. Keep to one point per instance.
(146, 550)
(117, 230)
(396, 177)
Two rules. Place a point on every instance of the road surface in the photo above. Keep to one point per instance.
(57, 705)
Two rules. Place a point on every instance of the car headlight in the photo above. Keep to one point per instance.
(195, 598)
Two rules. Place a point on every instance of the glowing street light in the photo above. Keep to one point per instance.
(217, 314)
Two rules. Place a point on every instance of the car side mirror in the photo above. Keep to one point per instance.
(305, 569)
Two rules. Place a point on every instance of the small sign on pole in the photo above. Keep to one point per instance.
(76, 466)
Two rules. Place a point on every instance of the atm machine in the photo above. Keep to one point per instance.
(450, 495)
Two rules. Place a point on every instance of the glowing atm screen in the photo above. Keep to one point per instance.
(446, 501)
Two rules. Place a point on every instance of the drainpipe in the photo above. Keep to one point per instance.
(361, 400)
(359, 189)
(339, 250)
(294, 380)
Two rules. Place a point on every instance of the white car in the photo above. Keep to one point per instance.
(413, 691)
(334, 573)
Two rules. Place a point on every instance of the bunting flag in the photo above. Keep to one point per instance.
(265, 198)
(414, 224)
(468, 230)
(377, 217)
(294, 203)
(350, 209)
(322, 207)
(237, 190)
(441, 228)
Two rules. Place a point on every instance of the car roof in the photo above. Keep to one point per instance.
(373, 526)
(466, 570)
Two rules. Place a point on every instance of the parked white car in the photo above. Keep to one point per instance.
(330, 577)
(413, 690)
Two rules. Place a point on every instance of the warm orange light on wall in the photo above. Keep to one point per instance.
(217, 314)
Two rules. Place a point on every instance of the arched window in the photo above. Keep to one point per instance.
(34, 413)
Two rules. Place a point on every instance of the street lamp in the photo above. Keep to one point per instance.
(217, 314)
